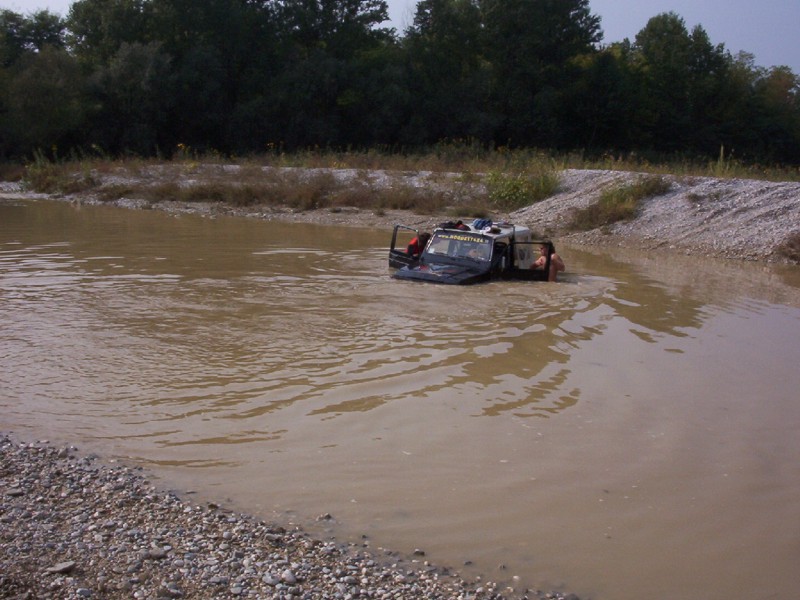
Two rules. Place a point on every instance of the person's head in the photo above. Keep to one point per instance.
(543, 249)
(424, 237)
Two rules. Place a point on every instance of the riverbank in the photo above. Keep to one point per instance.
(728, 218)
(73, 527)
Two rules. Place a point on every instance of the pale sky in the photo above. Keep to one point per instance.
(768, 29)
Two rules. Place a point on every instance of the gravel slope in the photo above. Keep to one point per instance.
(725, 218)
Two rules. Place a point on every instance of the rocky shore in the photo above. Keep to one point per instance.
(72, 527)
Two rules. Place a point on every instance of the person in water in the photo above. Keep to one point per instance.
(556, 264)
(417, 245)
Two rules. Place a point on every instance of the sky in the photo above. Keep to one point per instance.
(766, 29)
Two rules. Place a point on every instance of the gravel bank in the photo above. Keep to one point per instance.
(74, 528)
(740, 219)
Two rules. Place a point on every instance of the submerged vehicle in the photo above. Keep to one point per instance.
(460, 254)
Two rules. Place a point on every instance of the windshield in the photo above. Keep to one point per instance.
(460, 245)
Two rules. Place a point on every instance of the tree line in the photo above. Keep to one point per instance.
(145, 77)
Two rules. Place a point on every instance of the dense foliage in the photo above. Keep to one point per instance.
(147, 77)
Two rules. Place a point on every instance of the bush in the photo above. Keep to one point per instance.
(618, 204)
(511, 192)
(53, 177)
(790, 247)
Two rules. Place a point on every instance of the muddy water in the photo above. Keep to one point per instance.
(628, 433)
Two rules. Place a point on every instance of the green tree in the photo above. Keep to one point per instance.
(531, 45)
(99, 28)
(20, 35)
(777, 115)
(597, 111)
(199, 108)
(315, 97)
(696, 98)
(757, 112)
(708, 72)
(304, 104)
(375, 104)
(12, 42)
(35, 74)
(662, 57)
(224, 55)
(45, 29)
(134, 94)
(449, 77)
(341, 28)
(44, 100)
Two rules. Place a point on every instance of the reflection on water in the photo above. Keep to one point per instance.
(629, 432)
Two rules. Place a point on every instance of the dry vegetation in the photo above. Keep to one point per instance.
(790, 248)
(486, 182)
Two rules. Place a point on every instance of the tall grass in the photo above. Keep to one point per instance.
(511, 191)
(57, 177)
(467, 156)
(462, 156)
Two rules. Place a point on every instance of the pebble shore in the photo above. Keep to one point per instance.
(72, 527)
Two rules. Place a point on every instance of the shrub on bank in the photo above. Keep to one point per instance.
(790, 247)
(509, 192)
(619, 203)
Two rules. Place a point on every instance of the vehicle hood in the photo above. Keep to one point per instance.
(452, 274)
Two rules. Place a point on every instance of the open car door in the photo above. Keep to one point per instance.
(532, 247)
(401, 237)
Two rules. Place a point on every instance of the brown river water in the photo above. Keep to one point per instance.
(630, 432)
